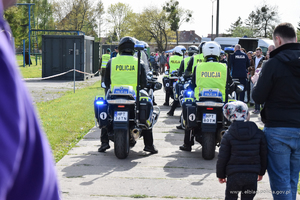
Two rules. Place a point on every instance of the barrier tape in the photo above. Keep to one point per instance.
(63, 73)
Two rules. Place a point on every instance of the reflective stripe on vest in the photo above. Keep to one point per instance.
(124, 71)
(186, 60)
(105, 59)
(211, 75)
(175, 62)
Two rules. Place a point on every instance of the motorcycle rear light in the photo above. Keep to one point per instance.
(209, 108)
(121, 106)
(176, 80)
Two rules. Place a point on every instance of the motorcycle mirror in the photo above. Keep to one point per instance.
(240, 88)
(166, 72)
(150, 73)
(139, 47)
(157, 86)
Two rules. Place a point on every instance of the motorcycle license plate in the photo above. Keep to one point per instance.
(209, 118)
(120, 116)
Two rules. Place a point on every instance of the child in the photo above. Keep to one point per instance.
(242, 156)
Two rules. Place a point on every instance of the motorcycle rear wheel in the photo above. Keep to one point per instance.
(121, 143)
(208, 145)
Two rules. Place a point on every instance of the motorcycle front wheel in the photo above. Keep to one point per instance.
(121, 143)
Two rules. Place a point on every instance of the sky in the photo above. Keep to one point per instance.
(230, 10)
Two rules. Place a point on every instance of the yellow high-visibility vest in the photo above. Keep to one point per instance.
(211, 75)
(105, 59)
(174, 62)
(124, 71)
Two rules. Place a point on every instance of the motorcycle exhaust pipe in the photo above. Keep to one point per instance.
(136, 132)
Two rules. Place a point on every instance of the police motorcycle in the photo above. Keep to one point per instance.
(126, 113)
(202, 115)
(171, 77)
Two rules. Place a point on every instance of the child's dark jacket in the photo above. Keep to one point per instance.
(243, 150)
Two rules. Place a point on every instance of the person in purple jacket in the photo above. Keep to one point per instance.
(27, 168)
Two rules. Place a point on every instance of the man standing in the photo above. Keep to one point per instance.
(27, 168)
(278, 87)
(239, 64)
(104, 60)
(162, 62)
(115, 53)
(258, 60)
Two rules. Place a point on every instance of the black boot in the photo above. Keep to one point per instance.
(103, 147)
(148, 141)
(151, 149)
(179, 127)
(185, 147)
(167, 99)
(173, 107)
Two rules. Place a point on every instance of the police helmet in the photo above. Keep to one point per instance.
(211, 49)
(192, 50)
(126, 44)
(178, 50)
(144, 43)
(201, 47)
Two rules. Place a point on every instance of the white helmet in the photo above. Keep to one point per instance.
(211, 49)
(179, 50)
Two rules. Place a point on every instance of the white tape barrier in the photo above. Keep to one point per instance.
(37, 79)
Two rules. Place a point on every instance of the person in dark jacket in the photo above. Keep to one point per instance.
(239, 63)
(242, 156)
(278, 87)
(114, 53)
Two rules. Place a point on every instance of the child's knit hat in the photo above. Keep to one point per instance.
(235, 111)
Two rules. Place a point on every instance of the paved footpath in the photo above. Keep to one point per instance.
(86, 174)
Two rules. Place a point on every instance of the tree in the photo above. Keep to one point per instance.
(234, 25)
(80, 15)
(298, 32)
(267, 16)
(242, 31)
(252, 22)
(176, 15)
(152, 25)
(14, 17)
(119, 16)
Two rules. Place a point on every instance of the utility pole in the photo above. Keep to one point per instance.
(212, 19)
(217, 25)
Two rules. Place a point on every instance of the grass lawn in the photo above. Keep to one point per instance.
(34, 71)
(67, 119)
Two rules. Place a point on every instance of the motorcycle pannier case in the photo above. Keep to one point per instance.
(100, 108)
(166, 82)
(189, 112)
(146, 109)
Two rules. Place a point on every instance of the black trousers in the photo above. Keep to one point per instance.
(147, 136)
(246, 183)
(103, 70)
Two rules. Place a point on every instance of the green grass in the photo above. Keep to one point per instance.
(67, 119)
(34, 71)
(139, 196)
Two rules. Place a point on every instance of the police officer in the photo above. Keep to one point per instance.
(183, 65)
(174, 63)
(195, 60)
(116, 77)
(104, 60)
(239, 63)
(208, 74)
